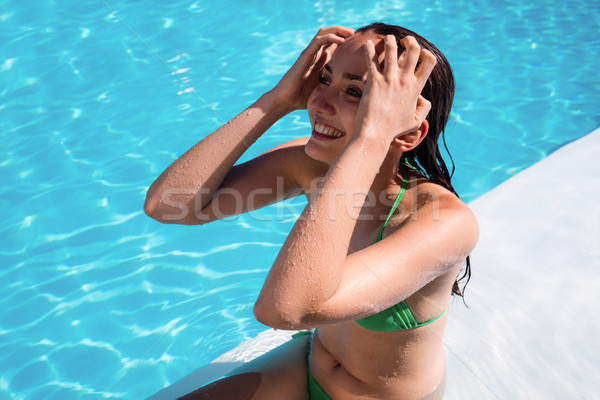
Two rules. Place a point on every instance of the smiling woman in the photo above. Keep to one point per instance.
(378, 100)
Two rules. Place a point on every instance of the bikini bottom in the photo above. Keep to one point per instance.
(315, 390)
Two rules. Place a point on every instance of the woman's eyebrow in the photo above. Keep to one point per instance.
(345, 75)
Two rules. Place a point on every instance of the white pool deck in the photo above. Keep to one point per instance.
(532, 329)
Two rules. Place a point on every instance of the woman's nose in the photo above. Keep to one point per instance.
(322, 101)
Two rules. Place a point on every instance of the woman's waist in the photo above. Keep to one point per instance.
(367, 361)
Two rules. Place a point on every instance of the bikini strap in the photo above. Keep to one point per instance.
(404, 178)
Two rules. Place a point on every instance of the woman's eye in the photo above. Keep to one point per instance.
(323, 80)
(354, 93)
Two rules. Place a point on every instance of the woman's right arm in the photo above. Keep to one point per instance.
(190, 184)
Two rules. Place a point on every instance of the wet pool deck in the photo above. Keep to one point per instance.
(531, 329)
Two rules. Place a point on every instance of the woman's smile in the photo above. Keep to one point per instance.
(325, 132)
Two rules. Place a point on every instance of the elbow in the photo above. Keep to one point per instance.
(175, 213)
(149, 208)
(275, 317)
(152, 210)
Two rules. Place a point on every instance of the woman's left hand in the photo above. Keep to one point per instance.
(392, 104)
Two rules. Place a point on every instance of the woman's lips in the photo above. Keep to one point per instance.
(325, 132)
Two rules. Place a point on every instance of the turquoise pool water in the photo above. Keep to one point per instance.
(98, 97)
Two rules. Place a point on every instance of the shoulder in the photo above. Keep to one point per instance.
(432, 213)
(292, 145)
(291, 158)
(435, 203)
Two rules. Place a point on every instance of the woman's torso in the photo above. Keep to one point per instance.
(350, 361)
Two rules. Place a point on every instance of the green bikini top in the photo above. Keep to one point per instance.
(399, 316)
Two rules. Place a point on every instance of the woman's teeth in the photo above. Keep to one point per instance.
(328, 131)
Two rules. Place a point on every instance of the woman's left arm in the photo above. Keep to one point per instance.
(313, 280)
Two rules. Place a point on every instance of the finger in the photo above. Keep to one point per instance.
(313, 52)
(423, 108)
(328, 51)
(412, 50)
(337, 29)
(323, 56)
(371, 58)
(310, 65)
(327, 39)
(391, 56)
(334, 34)
(427, 63)
(325, 36)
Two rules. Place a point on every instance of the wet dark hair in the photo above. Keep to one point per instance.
(439, 90)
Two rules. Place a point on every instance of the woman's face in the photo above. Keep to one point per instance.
(332, 105)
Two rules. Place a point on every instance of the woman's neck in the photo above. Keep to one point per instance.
(388, 179)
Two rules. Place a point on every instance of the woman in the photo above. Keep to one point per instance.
(372, 261)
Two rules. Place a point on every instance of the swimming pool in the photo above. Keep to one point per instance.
(99, 97)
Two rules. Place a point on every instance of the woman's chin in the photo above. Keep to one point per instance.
(319, 153)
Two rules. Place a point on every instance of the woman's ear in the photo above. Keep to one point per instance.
(412, 139)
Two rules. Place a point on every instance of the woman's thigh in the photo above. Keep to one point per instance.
(278, 374)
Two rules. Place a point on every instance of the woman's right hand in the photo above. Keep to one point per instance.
(298, 83)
